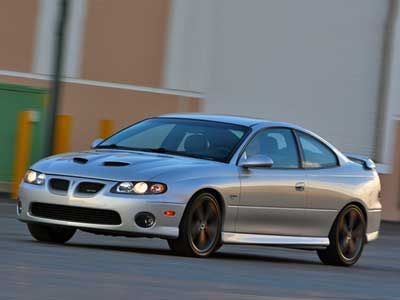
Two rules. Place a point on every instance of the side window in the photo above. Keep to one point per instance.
(277, 143)
(316, 154)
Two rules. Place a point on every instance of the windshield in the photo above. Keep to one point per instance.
(195, 138)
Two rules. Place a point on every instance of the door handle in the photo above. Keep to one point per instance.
(300, 186)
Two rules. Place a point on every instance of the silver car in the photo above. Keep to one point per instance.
(200, 181)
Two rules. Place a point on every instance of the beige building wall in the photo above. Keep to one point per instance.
(391, 185)
(126, 42)
(17, 34)
(24, 81)
(89, 104)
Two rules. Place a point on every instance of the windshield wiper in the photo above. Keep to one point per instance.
(113, 146)
(156, 150)
(163, 150)
(159, 150)
(182, 153)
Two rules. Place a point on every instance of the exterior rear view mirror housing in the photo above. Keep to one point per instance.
(256, 161)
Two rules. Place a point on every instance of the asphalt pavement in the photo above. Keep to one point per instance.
(98, 267)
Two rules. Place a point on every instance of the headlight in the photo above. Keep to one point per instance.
(34, 177)
(139, 188)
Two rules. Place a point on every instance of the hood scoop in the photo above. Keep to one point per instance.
(115, 164)
(80, 160)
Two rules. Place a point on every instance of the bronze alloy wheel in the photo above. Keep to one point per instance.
(347, 238)
(351, 233)
(200, 230)
(204, 224)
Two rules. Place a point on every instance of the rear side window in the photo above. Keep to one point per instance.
(316, 154)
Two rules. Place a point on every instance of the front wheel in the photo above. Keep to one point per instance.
(51, 234)
(347, 238)
(200, 228)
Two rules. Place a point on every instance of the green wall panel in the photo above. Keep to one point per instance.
(14, 99)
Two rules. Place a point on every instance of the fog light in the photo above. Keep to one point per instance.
(19, 207)
(145, 219)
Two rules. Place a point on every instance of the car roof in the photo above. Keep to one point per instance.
(231, 119)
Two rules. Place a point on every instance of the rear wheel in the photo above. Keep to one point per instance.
(51, 234)
(200, 229)
(347, 238)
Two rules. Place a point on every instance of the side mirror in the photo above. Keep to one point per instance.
(95, 143)
(256, 161)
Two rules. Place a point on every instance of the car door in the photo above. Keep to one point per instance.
(326, 184)
(272, 199)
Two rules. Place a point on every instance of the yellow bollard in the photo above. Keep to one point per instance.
(62, 134)
(106, 128)
(22, 149)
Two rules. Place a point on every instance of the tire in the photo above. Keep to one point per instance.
(200, 228)
(346, 239)
(51, 234)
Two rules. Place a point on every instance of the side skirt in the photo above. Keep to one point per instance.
(275, 240)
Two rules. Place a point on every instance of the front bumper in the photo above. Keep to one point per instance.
(127, 206)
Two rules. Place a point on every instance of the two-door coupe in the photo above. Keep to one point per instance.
(200, 181)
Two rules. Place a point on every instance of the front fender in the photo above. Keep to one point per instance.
(182, 186)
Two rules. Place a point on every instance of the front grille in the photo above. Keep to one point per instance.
(89, 187)
(75, 214)
(59, 184)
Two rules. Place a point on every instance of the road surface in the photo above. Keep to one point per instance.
(97, 267)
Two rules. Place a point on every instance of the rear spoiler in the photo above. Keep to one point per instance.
(365, 161)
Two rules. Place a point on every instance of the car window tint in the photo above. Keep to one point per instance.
(152, 137)
(218, 138)
(238, 133)
(316, 154)
(277, 143)
(181, 146)
(185, 137)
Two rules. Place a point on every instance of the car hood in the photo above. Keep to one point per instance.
(115, 165)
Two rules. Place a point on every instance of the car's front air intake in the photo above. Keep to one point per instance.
(89, 187)
(59, 184)
(75, 214)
